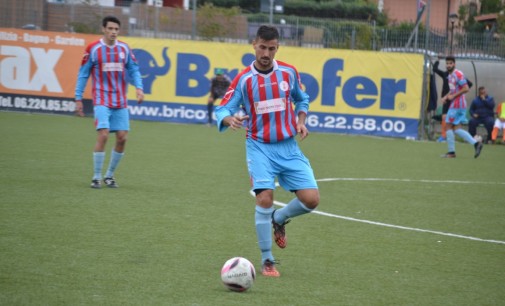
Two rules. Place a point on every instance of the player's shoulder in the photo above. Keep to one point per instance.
(122, 44)
(246, 72)
(282, 64)
(94, 44)
(459, 73)
(241, 77)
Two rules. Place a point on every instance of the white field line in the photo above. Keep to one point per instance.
(322, 213)
(408, 180)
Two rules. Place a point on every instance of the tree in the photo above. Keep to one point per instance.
(490, 6)
(500, 21)
(216, 22)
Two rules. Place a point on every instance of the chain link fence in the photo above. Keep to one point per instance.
(164, 22)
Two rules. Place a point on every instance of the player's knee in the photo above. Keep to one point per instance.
(264, 198)
(121, 139)
(313, 202)
(310, 198)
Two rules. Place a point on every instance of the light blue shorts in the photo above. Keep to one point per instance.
(456, 116)
(284, 160)
(114, 119)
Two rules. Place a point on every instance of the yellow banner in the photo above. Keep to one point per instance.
(337, 81)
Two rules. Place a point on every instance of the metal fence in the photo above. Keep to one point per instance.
(164, 22)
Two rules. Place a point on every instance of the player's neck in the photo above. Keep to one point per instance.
(110, 43)
(264, 70)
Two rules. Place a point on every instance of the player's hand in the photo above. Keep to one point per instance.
(235, 122)
(210, 101)
(140, 95)
(302, 130)
(79, 109)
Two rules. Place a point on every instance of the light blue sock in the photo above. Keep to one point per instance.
(115, 158)
(451, 141)
(263, 219)
(98, 158)
(466, 136)
(293, 209)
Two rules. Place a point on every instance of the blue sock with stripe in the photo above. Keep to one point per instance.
(98, 158)
(263, 220)
(115, 158)
(294, 208)
(466, 136)
(451, 141)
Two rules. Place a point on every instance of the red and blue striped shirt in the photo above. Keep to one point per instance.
(457, 81)
(268, 99)
(108, 66)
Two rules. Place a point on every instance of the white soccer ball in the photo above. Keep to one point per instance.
(238, 274)
(477, 138)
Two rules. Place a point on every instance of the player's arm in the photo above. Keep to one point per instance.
(441, 73)
(134, 73)
(458, 93)
(230, 105)
(301, 101)
(82, 79)
(234, 122)
(300, 97)
(301, 128)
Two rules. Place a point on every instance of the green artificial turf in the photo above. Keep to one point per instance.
(183, 208)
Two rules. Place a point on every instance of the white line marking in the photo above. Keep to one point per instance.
(322, 213)
(399, 226)
(407, 180)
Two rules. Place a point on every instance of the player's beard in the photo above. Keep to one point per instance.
(265, 62)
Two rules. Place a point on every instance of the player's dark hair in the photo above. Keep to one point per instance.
(450, 58)
(482, 88)
(267, 33)
(110, 19)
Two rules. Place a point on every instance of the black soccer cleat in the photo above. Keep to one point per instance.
(448, 155)
(110, 182)
(96, 184)
(478, 149)
(280, 232)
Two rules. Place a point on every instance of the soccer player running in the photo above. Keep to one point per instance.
(456, 115)
(266, 91)
(108, 60)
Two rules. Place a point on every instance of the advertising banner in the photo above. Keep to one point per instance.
(354, 92)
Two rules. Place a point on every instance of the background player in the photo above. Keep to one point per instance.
(218, 85)
(456, 115)
(107, 61)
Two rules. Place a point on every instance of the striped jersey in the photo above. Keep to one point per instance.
(108, 66)
(457, 81)
(268, 99)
